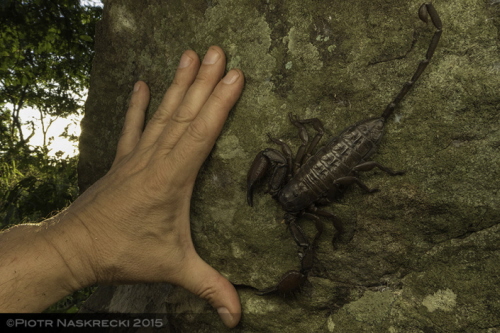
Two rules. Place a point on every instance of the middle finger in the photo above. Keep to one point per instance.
(209, 75)
(184, 78)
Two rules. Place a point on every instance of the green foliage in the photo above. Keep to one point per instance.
(45, 58)
(35, 187)
(46, 50)
(71, 303)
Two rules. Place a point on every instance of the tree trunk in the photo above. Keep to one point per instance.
(425, 249)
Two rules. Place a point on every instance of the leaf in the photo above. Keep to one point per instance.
(86, 38)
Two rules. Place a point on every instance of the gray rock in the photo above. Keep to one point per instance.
(425, 249)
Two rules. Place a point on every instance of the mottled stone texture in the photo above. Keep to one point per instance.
(426, 249)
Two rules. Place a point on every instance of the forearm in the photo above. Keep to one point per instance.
(39, 265)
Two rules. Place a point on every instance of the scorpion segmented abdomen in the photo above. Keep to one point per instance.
(334, 160)
(363, 137)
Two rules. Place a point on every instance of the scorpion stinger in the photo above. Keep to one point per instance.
(426, 10)
(318, 178)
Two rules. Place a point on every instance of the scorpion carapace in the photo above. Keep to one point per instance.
(308, 180)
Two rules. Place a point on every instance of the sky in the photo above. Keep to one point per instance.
(91, 2)
(58, 143)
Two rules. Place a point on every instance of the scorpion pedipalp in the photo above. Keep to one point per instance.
(259, 168)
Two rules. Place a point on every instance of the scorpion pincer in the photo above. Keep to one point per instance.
(303, 182)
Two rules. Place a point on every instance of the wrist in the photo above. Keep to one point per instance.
(71, 246)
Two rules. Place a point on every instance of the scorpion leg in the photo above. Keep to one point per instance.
(260, 167)
(305, 150)
(367, 166)
(426, 10)
(287, 152)
(298, 234)
(304, 137)
(317, 222)
(349, 180)
(318, 126)
(340, 235)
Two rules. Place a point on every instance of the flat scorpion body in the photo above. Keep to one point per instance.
(302, 182)
(336, 159)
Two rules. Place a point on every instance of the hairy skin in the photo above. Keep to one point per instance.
(133, 226)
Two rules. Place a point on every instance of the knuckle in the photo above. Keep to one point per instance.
(204, 78)
(160, 116)
(184, 114)
(208, 294)
(135, 102)
(132, 104)
(198, 130)
(218, 99)
(178, 83)
(208, 290)
(126, 132)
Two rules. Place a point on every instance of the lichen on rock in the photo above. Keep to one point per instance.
(425, 249)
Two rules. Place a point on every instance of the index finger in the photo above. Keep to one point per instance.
(197, 141)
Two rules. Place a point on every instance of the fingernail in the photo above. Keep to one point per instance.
(185, 61)
(211, 57)
(226, 317)
(137, 86)
(231, 77)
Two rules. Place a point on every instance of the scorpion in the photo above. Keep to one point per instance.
(308, 180)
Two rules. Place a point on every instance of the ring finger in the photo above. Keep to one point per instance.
(184, 77)
(209, 75)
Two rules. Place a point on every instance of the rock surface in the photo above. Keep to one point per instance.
(425, 250)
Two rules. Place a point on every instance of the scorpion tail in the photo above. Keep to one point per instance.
(426, 10)
(289, 282)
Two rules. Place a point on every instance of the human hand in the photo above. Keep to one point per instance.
(134, 222)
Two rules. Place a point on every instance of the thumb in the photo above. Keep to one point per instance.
(204, 281)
